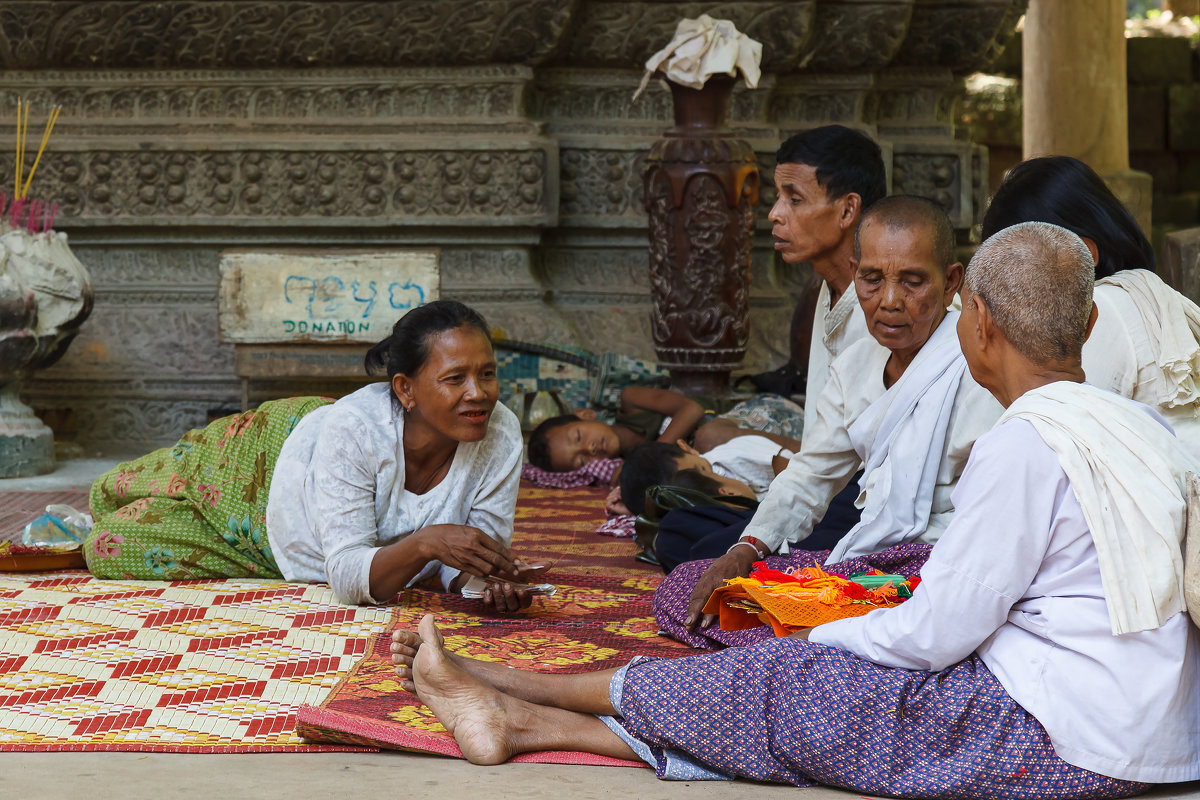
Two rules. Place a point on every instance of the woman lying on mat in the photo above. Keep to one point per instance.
(1047, 653)
(390, 485)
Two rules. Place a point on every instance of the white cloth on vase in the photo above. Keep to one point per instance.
(1130, 476)
(337, 494)
(800, 495)
(747, 458)
(834, 329)
(1146, 345)
(1017, 580)
(900, 439)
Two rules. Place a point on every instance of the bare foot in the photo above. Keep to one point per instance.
(406, 644)
(475, 714)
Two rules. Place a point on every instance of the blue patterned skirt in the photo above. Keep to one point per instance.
(796, 712)
(672, 595)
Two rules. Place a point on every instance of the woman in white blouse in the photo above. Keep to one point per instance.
(397, 482)
(1146, 341)
(403, 480)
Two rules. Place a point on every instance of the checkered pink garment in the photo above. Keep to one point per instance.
(593, 473)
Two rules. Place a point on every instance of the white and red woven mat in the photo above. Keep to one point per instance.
(191, 666)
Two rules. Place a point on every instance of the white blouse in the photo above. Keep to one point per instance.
(1015, 578)
(749, 459)
(1119, 356)
(337, 494)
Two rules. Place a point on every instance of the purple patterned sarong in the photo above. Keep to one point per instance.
(671, 597)
(797, 712)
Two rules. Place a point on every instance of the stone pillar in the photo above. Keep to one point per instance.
(1074, 92)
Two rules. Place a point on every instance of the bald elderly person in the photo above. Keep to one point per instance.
(1020, 668)
(899, 404)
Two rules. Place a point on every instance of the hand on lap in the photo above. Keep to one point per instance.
(734, 564)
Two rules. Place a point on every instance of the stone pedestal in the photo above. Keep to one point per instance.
(26, 445)
(1074, 98)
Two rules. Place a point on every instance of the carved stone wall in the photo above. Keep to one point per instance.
(500, 131)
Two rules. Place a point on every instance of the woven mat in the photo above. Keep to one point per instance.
(600, 618)
(227, 666)
(192, 666)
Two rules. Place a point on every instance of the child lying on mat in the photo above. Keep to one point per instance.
(744, 465)
(568, 442)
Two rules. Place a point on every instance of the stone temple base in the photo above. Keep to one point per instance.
(26, 444)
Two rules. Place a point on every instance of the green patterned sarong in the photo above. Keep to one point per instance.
(198, 509)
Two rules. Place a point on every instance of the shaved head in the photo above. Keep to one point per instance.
(907, 212)
(1036, 280)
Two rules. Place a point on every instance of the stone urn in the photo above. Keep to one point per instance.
(701, 187)
(45, 295)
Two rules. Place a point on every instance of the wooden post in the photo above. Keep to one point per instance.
(1074, 93)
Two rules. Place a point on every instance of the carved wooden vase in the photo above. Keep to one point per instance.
(701, 187)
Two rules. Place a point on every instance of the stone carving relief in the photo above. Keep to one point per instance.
(471, 92)
(620, 33)
(953, 33)
(120, 269)
(935, 176)
(600, 274)
(857, 36)
(115, 187)
(488, 275)
(504, 134)
(601, 183)
(131, 342)
(256, 34)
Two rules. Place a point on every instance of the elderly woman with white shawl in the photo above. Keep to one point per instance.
(1145, 343)
(899, 405)
(1046, 653)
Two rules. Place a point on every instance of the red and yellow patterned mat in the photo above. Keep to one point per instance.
(601, 617)
(225, 666)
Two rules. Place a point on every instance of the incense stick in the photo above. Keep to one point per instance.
(20, 138)
(54, 112)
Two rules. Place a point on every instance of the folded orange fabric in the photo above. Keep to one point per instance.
(810, 596)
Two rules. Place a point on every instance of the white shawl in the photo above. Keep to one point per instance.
(901, 437)
(1128, 473)
(1173, 327)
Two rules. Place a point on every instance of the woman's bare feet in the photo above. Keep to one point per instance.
(475, 714)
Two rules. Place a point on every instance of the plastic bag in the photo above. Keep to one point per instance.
(60, 528)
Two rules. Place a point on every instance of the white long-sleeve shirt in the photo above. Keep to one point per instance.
(748, 458)
(1118, 356)
(1016, 579)
(834, 329)
(800, 495)
(337, 494)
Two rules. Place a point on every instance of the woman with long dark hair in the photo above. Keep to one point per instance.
(399, 481)
(1145, 343)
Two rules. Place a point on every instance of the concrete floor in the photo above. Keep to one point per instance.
(286, 776)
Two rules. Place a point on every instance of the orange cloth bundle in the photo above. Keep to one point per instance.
(810, 596)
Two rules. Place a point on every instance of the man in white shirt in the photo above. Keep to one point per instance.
(1018, 669)
(824, 179)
